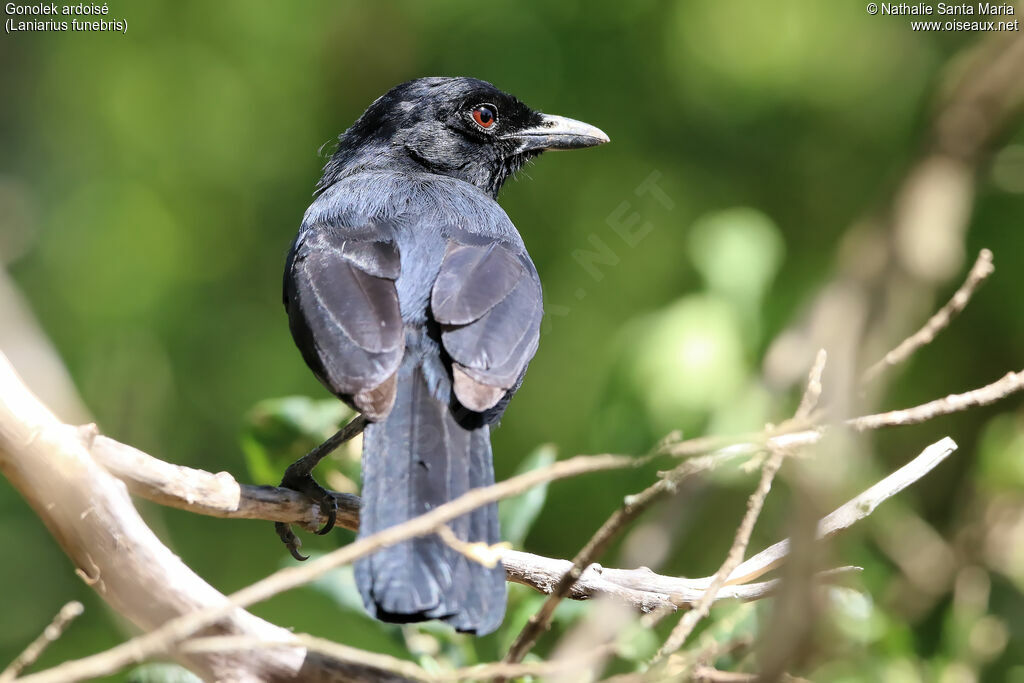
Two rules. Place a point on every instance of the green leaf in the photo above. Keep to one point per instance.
(278, 431)
(519, 513)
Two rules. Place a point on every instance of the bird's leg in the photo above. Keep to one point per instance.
(299, 477)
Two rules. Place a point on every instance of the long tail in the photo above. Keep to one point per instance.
(418, 458)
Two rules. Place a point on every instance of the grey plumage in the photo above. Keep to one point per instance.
(412, 297)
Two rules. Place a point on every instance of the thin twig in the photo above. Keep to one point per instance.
(979, 272)
(755, 503)
(50, 634)
(707, 674)
(630, 509)
(1011, 383)
(401, 667)
(482, 553)
(220, 644)
(850, 512)
(812, 393)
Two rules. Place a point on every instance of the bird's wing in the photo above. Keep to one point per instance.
(343, 310)
(488, 301)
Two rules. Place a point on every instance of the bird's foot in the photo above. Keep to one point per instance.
(291, 541)
(298, 477)
(306, 485)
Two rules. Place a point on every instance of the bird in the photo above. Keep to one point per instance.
(412, 298)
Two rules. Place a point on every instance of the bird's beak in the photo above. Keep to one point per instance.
(558, 132)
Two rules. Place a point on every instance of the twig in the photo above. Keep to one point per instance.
(402, 667)
(481, 553)
(852, 511)
(707, 674)
(690, 620)
(812, 393)
(1011, 383)
(372, 660)
(630, 509)
(50, 634)
(793, 434)
(979, 272)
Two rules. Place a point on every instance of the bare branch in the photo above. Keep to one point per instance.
(214, 495)
(91, 516)
(755, 503)
(707, 674)
(50, 634)
(402, 667)
(852, 511)
(221, 495)
(1011, 383)
(812, 393)
(979, 272)
(165, 638)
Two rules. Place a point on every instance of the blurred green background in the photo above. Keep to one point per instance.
(150, 185)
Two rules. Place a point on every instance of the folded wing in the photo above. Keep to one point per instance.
(343, 310)
(488, 301)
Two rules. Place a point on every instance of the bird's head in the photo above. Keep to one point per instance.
(460, 127)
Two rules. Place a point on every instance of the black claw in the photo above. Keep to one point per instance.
(298, 478)
(307, 486)
(291, 541)
(329, 505)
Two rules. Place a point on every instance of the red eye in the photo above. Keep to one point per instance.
(484, 115)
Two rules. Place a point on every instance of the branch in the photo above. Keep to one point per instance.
(91, 516)
(50, 634)
(979, 272)
(214, 495)
(1009, 384)
(852, 511)
(402, 666)
(220, 495)
(165, 638)
(755, 503)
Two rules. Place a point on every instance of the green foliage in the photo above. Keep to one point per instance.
(278, 431)
(518, 514)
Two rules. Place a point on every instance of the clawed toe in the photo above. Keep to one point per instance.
(307, 486)
(330, 506)
(290, 540)
(298, 478)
